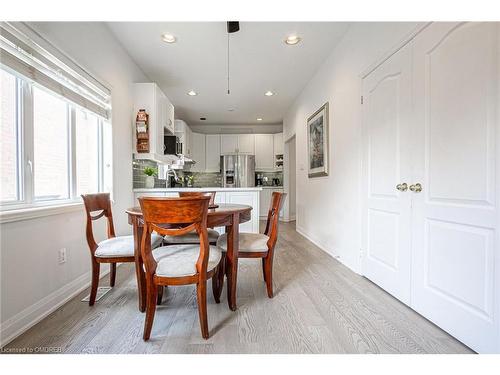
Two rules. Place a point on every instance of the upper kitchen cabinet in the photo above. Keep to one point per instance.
(185, 135)
(149, 97)
(198, 152)
(278, 151)
(228, 143)
(264, 155)
(237, 143)
(170, 116)
(246, 144)
(188, 151)
(278, 144)
(212, 152)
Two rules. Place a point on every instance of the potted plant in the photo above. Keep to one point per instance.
(150, 173)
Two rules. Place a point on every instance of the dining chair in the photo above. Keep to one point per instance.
(260, 245)
(181, 264)
(114, 249)
(192, 237)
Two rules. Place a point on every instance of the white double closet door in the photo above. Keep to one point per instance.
(431, 117)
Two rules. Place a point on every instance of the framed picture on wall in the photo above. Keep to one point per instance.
(317, 142)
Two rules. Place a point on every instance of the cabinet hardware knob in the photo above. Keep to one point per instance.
(417, 188)
(402, 187)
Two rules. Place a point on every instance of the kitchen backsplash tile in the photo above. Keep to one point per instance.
(270, 176)
(200, 179)
(138, 176)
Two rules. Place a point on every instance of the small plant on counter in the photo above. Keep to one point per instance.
(150, 171)
(189, 180)
(150, 177)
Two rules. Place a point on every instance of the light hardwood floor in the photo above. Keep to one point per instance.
(320, 306)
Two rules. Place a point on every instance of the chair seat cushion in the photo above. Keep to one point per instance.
(249, 242)
(180, 260)
(122, 246)
(192, 238)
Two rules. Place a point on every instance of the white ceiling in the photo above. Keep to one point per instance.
(259, 61)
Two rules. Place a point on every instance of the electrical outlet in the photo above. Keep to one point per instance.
(62, 255)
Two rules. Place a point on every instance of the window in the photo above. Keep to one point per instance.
(9, 150)
(87, 153)
(51, 146)
(66, 149)
(55, 140)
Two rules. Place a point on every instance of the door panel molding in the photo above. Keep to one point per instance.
(386, 163)
(470, 57)
(455, 241)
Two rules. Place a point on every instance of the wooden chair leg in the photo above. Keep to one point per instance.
(215, 284)
(151, 298)
(220, 276)
(96, 267)
(264, 268)
(160, 294)
(112, 274)
(268, 271)
(201, 291)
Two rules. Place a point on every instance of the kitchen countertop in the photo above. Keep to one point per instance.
(161, 190)
(271, 187)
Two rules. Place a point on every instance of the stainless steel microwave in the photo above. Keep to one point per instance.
(171, 145)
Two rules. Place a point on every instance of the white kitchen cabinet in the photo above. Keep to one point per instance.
(228, 143)
(279, 190)
(246, 144)
(237, 143)
(169, 117)
(189, 143)
(185, 135)
(265, 201)
(278, 143)
(212, 152)
(250, 198)
(198, 152)
(264, 155)
(148, 96)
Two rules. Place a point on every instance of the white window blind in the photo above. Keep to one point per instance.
(23, 56)
(55, 128)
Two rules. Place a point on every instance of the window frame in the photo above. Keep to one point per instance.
(25, 151)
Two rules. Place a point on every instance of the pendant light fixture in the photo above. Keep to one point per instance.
(232, 27)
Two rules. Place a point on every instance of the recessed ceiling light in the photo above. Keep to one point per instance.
(292, 40)
(192, 93)
(269, 93)
(231, 110)
(259, 119)
(168, 38)
(203, 118)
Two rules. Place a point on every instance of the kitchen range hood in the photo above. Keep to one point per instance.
(183, 163)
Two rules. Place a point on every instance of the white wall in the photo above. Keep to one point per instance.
(32, 281)
(289, 181)
(328, 207)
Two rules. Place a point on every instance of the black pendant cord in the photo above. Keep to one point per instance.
(228, 90)
(232, 27)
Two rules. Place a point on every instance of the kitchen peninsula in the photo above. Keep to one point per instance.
(244, 195)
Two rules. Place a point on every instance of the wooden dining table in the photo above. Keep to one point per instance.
(224, 215)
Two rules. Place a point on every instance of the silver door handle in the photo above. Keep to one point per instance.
(416, 188)
(402, 187)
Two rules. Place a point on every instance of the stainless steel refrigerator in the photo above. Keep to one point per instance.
(238, 170)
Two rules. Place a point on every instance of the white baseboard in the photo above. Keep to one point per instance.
(324, 248)
(27, 318)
